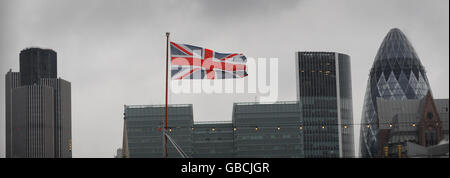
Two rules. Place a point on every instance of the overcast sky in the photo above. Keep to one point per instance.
(112, 51)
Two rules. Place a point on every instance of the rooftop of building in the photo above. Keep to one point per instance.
(396, 46)
(156, 106)
(213, 122)
(35, 48)
(328, 53)
(266, 103)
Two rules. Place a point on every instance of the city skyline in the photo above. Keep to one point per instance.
(113, 53)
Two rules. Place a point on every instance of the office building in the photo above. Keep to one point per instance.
(396, 74)
(324, 91)
(273, 130)
(256, 131)
(38, 108)
(213, 140)
(144, 130)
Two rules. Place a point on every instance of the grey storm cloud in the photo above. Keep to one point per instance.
(113, 51)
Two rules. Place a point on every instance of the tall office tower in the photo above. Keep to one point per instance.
(38, 108)
(145, 125)
(268, 130)
(324, 91)
(396, 74)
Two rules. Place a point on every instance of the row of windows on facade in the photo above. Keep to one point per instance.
(391, 125)
(326, 72)
(249, 137)
(331, 146)
(262, 148)
(279, 128)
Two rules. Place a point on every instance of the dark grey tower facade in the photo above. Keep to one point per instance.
(38, 108)
(325, 94)
(36, 63)
(12, 81)
(62, 114)
(33, 122)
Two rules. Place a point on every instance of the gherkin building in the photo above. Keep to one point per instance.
(396, 74)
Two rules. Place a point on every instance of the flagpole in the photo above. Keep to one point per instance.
(167, 84)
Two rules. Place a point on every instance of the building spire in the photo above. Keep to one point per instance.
(125, 140)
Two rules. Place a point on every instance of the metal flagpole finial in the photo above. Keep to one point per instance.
(167, 34)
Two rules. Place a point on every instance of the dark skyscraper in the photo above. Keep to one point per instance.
(38, 108)
(37, 63)
(325, 95)
(396, 74)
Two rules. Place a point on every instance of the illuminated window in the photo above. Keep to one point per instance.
(70, 144)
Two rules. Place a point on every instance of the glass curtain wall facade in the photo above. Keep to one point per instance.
(145, 125)
(396, 74)
(325, 96)
(213, 140)
(268, 130)
(256, 131)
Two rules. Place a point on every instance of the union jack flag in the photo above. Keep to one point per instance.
(192, 62)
